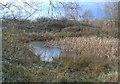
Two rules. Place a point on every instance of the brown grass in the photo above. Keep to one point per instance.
(96, 46)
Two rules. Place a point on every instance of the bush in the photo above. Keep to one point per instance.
(15, 57)
(84, 68)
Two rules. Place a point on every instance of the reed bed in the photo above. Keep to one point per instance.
(93, 45)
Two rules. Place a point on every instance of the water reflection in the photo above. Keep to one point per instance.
(46, 53)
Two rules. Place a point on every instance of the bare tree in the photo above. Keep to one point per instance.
(87, 15)
(71, 10)
(15, 11)
(111, 12)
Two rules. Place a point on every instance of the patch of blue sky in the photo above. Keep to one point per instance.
(96, 8)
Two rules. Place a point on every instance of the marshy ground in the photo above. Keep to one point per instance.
(96, 60)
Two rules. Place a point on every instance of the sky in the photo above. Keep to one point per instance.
(95, 6)
(61, 0)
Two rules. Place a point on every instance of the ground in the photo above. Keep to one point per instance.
(96, 60)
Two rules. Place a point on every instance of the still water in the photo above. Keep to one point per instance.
(47, 53)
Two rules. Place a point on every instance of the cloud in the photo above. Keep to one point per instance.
(4, 1)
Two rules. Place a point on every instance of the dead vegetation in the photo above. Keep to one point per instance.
(98, 46)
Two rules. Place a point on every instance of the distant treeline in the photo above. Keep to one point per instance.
(94, 27)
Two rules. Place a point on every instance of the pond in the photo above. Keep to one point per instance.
(48, 52)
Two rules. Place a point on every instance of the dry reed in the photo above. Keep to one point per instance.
(96, 46)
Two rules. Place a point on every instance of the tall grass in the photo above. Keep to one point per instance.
(98, 46)
(96, 60)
